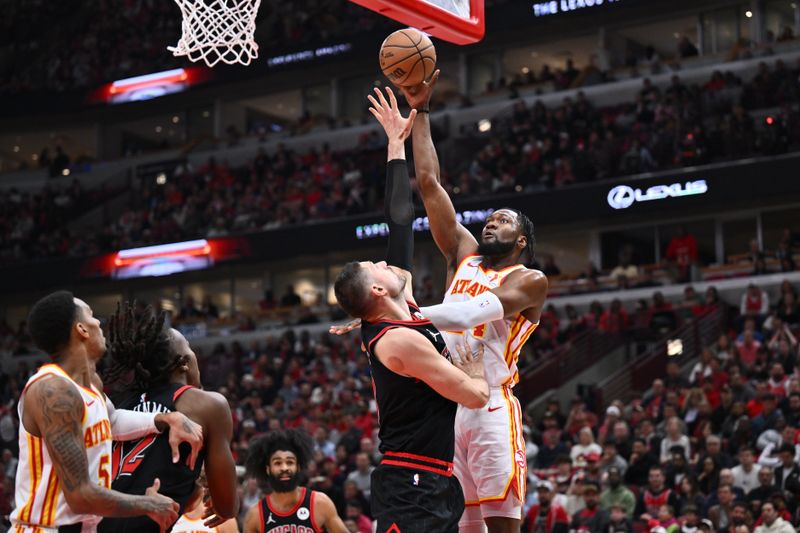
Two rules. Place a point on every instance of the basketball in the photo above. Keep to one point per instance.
(407, 57)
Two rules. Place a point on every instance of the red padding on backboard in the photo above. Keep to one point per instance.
(433, 19)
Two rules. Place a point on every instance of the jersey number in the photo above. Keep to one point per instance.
(103, 471)
(126, 464)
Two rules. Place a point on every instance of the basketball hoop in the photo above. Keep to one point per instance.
(218, 30)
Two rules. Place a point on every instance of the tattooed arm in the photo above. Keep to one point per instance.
(54, 410)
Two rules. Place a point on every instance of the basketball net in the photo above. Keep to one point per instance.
(218, 30)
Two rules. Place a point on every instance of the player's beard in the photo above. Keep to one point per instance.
(495, 247)
(280, 485)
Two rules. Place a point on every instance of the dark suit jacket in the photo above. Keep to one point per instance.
(792, 482)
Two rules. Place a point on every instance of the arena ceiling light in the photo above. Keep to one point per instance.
(149, 86)
(163, 259)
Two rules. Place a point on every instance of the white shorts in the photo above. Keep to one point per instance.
(490, 459)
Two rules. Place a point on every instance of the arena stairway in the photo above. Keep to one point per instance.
(682, 346)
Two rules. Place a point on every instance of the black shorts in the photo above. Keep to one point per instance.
(410, 500)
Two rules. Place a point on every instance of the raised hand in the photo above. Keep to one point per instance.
(419, 96)
(342, 329)
(388, 114)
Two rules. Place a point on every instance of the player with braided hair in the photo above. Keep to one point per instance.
(157, 371)
(278, 460)
(67, 425)
(140, 349)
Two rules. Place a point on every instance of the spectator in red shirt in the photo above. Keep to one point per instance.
(756, 405)
(754, 303)
(614, 319)
(690, 307)
(546, 516)
(682, 253)
(748, 349)
(591, 519)
(712, 302)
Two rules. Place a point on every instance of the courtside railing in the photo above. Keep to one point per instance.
(566, 362)
(638, 375)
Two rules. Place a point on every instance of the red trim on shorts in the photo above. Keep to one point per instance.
(422, 462)
(393, 529)
(180, 391)
(417, 466)
(419, 458)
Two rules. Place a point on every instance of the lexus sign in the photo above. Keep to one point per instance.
(623, 196)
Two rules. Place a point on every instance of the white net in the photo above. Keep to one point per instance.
(218, 30)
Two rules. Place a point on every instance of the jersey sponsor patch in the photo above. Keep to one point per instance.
(303, 513)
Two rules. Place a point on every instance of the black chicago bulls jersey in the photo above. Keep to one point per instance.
(298, 520)
(414, 418)
(136, 464)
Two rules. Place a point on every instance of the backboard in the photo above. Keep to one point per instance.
(455, 21)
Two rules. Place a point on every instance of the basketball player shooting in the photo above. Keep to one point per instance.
(490, 456)
(157, 372)
(416, 386)
(63, 480)
(278, 460)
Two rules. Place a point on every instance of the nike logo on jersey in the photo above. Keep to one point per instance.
(89, 404)
(493, 409)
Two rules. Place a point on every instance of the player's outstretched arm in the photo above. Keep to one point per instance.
(398, 208)
(326, 516)
(453, 239)
(523, 290)
(57, 411)
(450, 316)
(408, 353)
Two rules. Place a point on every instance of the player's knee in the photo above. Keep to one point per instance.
(498, 524)
(472, 527)
(472, 520)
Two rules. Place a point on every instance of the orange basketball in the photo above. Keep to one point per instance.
(407, 57)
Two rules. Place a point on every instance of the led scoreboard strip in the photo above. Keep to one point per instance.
(555, 7)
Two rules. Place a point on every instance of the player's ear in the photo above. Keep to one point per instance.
(80, 327)
(522, 242)
(378, 290)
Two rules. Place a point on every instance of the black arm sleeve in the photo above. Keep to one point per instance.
(399, 214)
